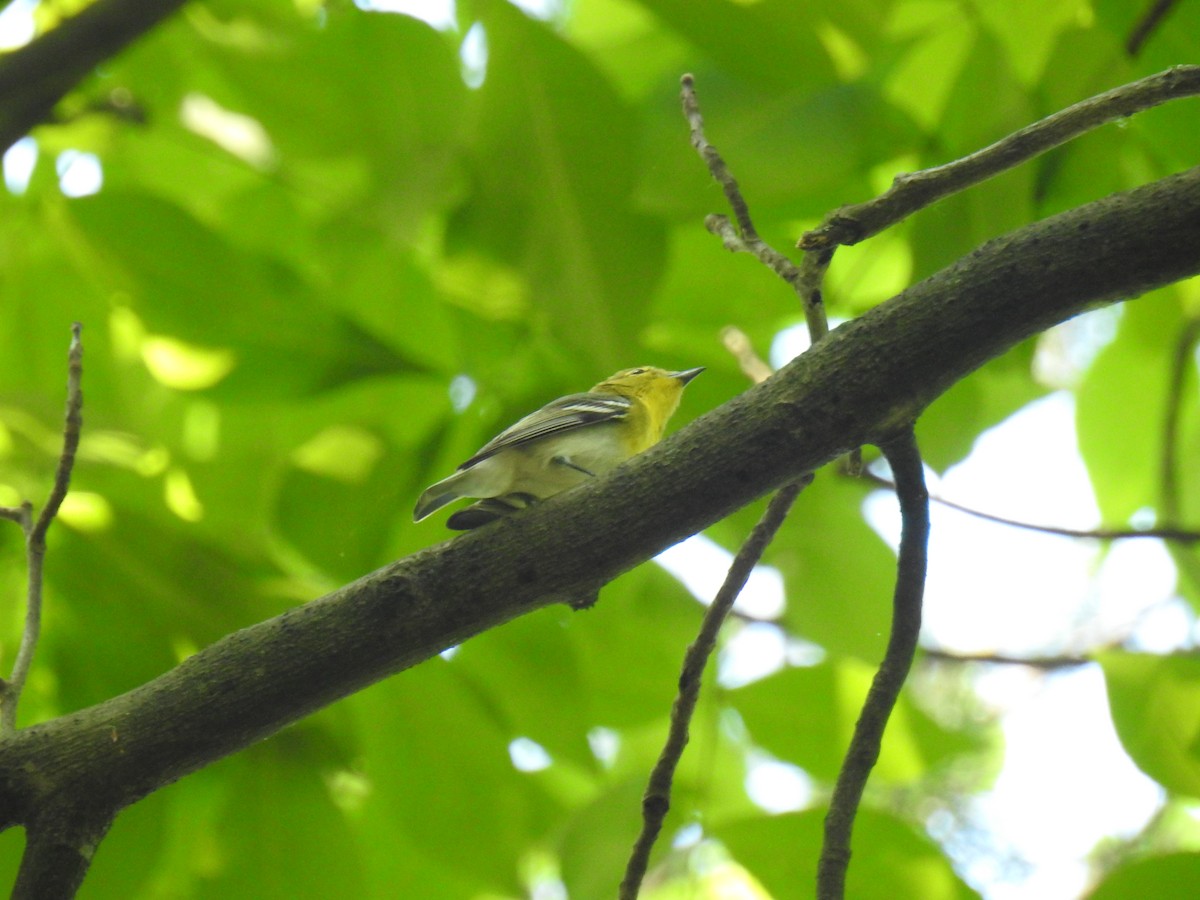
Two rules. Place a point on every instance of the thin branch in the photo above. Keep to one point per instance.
(811, 288)
(916, 190)
(1048, 663)
(1149, 21)
(905, 459)
(807, 279)
(72, 426)
(59, 848)
(745, 237)
(1181, 364)
(35, 536)
(1178, 535)
(22, 515)
(657, 799)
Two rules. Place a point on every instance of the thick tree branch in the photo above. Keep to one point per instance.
(864, 380)
(35, 77)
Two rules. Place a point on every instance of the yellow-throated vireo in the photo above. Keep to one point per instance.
(565, 442)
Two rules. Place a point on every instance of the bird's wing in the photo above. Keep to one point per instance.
(564, 414)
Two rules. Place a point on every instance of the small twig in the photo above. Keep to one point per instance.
(738, 343)
(22, 515)
(806, 279)
(916, 190)
(1178, 535)
(905, 459)
(1149, 21)
(811, 288)
(1181, 364)
(745, 237)
(657, 799)
(35, 536)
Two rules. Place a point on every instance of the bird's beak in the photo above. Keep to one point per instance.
(687, 374)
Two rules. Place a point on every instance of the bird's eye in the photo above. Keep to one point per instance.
(638, 371)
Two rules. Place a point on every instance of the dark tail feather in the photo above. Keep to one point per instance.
(489, 510)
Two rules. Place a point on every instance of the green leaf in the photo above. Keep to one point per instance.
(799, 715)
(529, 672)
(1030, 32)
(185, 281)
(551, 192)
(1173, 39)
(836, 135)
(839, 573)
(470, 815)
(640, 628)
(948, 429)
(595, 841)
(891, 861)
(1156, 709)
(12, 846)
(806, 716)
(280, 832)
(139, 594)
(1121, 407)
(769, 45)
(401, 115)
(1159, 876)
(550, 675)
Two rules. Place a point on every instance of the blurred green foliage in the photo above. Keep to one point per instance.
(332, 255)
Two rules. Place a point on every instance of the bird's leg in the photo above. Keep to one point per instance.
(563, 461)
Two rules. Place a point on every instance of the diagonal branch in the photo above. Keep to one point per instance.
(916, 190)
(1147, 24)
(35, 77)
(905, 459)
(804, 279)
(656, 800)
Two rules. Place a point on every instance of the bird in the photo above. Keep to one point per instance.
(561, 445)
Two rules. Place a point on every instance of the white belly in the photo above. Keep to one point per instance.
(548, 467)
